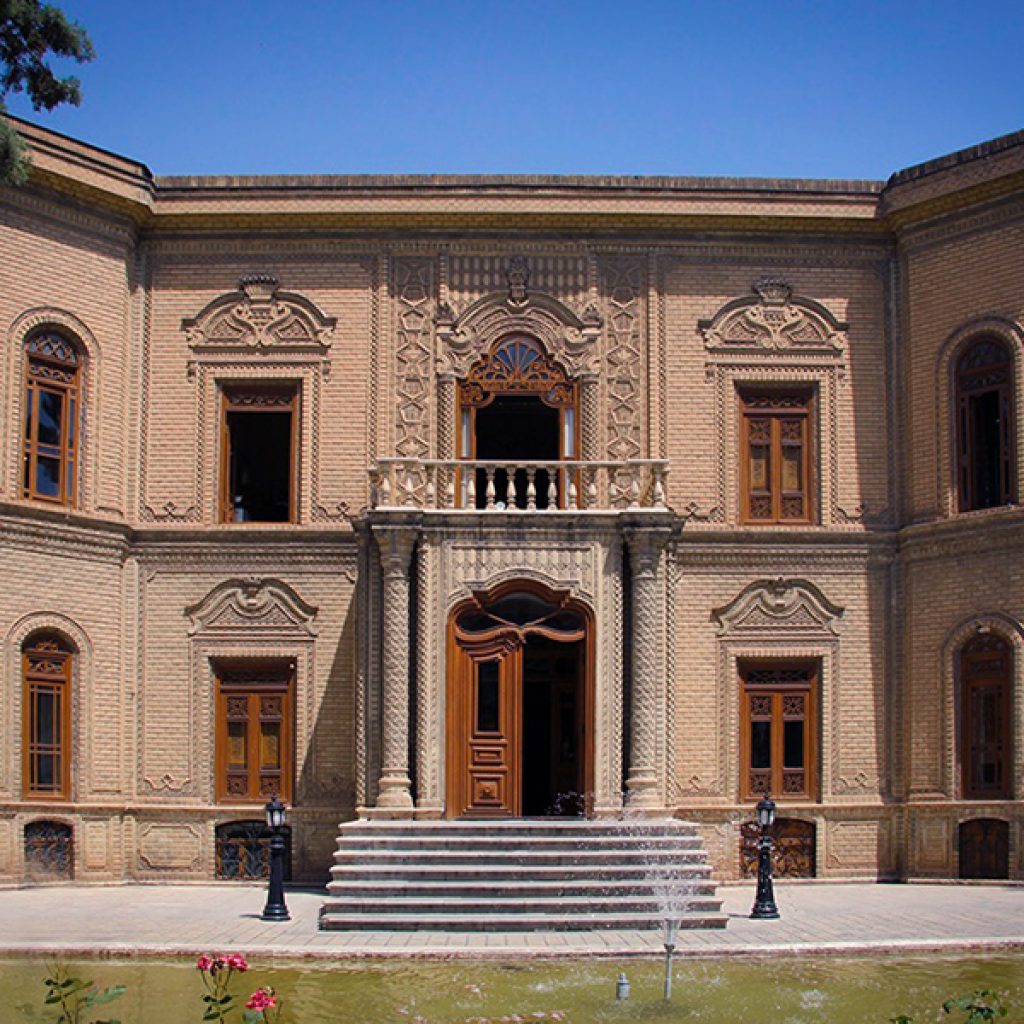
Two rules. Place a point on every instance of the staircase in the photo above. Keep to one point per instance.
(537, 874)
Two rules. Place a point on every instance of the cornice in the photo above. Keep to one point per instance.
(951, 226)
(994, 531)
(36, 529)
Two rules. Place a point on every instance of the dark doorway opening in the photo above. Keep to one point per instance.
(552, 737)
(516, 428)
(260, 466)
(985, 848)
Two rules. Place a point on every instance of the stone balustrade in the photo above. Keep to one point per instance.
(524, 485)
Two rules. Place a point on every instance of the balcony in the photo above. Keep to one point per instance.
(531, 487)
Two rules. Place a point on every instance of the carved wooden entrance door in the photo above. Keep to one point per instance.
(485, 715)
(497, 643)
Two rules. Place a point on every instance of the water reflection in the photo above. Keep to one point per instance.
(785, 990)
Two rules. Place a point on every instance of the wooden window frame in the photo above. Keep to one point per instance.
(256, 398)
(47, 664)
(777, 407)
(973, 657)
(972, 383)
(53, 364)
(254, 683)
(777, 692)
(552, 386)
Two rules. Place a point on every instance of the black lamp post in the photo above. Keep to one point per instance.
(764, 902)
(275, 910)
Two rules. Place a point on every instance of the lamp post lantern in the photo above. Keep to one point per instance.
(764, 901)
(275, 909)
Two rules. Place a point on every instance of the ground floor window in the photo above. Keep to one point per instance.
(243, 851)
(985, 684)
(49, 851)
(793, 855)
(255, 732)
(778, 730)
(984, 848)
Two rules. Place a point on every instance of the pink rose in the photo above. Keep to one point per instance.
(236, 962)
(262, 999)
(204, 963)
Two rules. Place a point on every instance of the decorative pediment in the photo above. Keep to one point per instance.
(778, 607)
(773, 319)
(252, 606)
(569, 337)
(260, 317)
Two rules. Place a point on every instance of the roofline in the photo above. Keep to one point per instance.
(962, 156)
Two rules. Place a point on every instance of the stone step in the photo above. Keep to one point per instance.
(565, 888)
(532, 875)
(490, 904)
(516, 843)
(496, 922)
(522, 855)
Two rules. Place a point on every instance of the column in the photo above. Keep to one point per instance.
(646, 544)
(396, 545)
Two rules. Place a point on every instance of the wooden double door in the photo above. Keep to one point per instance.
(519, 708)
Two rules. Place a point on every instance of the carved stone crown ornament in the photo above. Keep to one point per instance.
(773, 319)
(568, 337)
(260, 317)
(778, 607)
(251, 605)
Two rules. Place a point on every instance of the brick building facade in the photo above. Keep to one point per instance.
(428, 497)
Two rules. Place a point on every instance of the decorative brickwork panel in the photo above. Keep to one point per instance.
(412, 291)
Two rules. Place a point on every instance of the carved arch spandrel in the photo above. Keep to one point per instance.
(567, 337)
(775, 320)
(790, 605)
(252, 605)
(259, 316)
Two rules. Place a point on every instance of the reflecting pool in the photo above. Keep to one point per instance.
(786, 990)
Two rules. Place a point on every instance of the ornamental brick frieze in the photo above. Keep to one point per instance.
(773, 320)
(623, 288)
(467, 276)
(412, 290)
(259, 317)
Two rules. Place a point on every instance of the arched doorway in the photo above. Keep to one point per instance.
(517, 407)
(520, 704)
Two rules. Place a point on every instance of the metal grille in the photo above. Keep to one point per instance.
(243, 851)
(793, 855)
(49, 850)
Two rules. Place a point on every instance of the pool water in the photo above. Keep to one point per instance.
(787, 990)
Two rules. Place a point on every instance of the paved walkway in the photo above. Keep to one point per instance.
(151, 920)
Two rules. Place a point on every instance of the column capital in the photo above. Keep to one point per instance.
(646, 544)
(396, 544)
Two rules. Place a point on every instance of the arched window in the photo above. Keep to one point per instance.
(52, 395)
(984, 425)
(46, 713)
(985, 665)
(517, 416)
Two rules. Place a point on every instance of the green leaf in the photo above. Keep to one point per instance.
(97, 998)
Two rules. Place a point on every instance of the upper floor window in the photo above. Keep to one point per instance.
(778, 704)
(776, 469)
(984, 425)
(52, 397)
(46, 711)
(517, 416)
(259, 453)
(985, 720)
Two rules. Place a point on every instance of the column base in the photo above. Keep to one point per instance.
(395, 793)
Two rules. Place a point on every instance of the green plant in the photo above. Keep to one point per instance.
(981, 1006)
(73, 999)
(220, 1002)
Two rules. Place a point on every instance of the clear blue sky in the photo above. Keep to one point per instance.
(776, 89)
